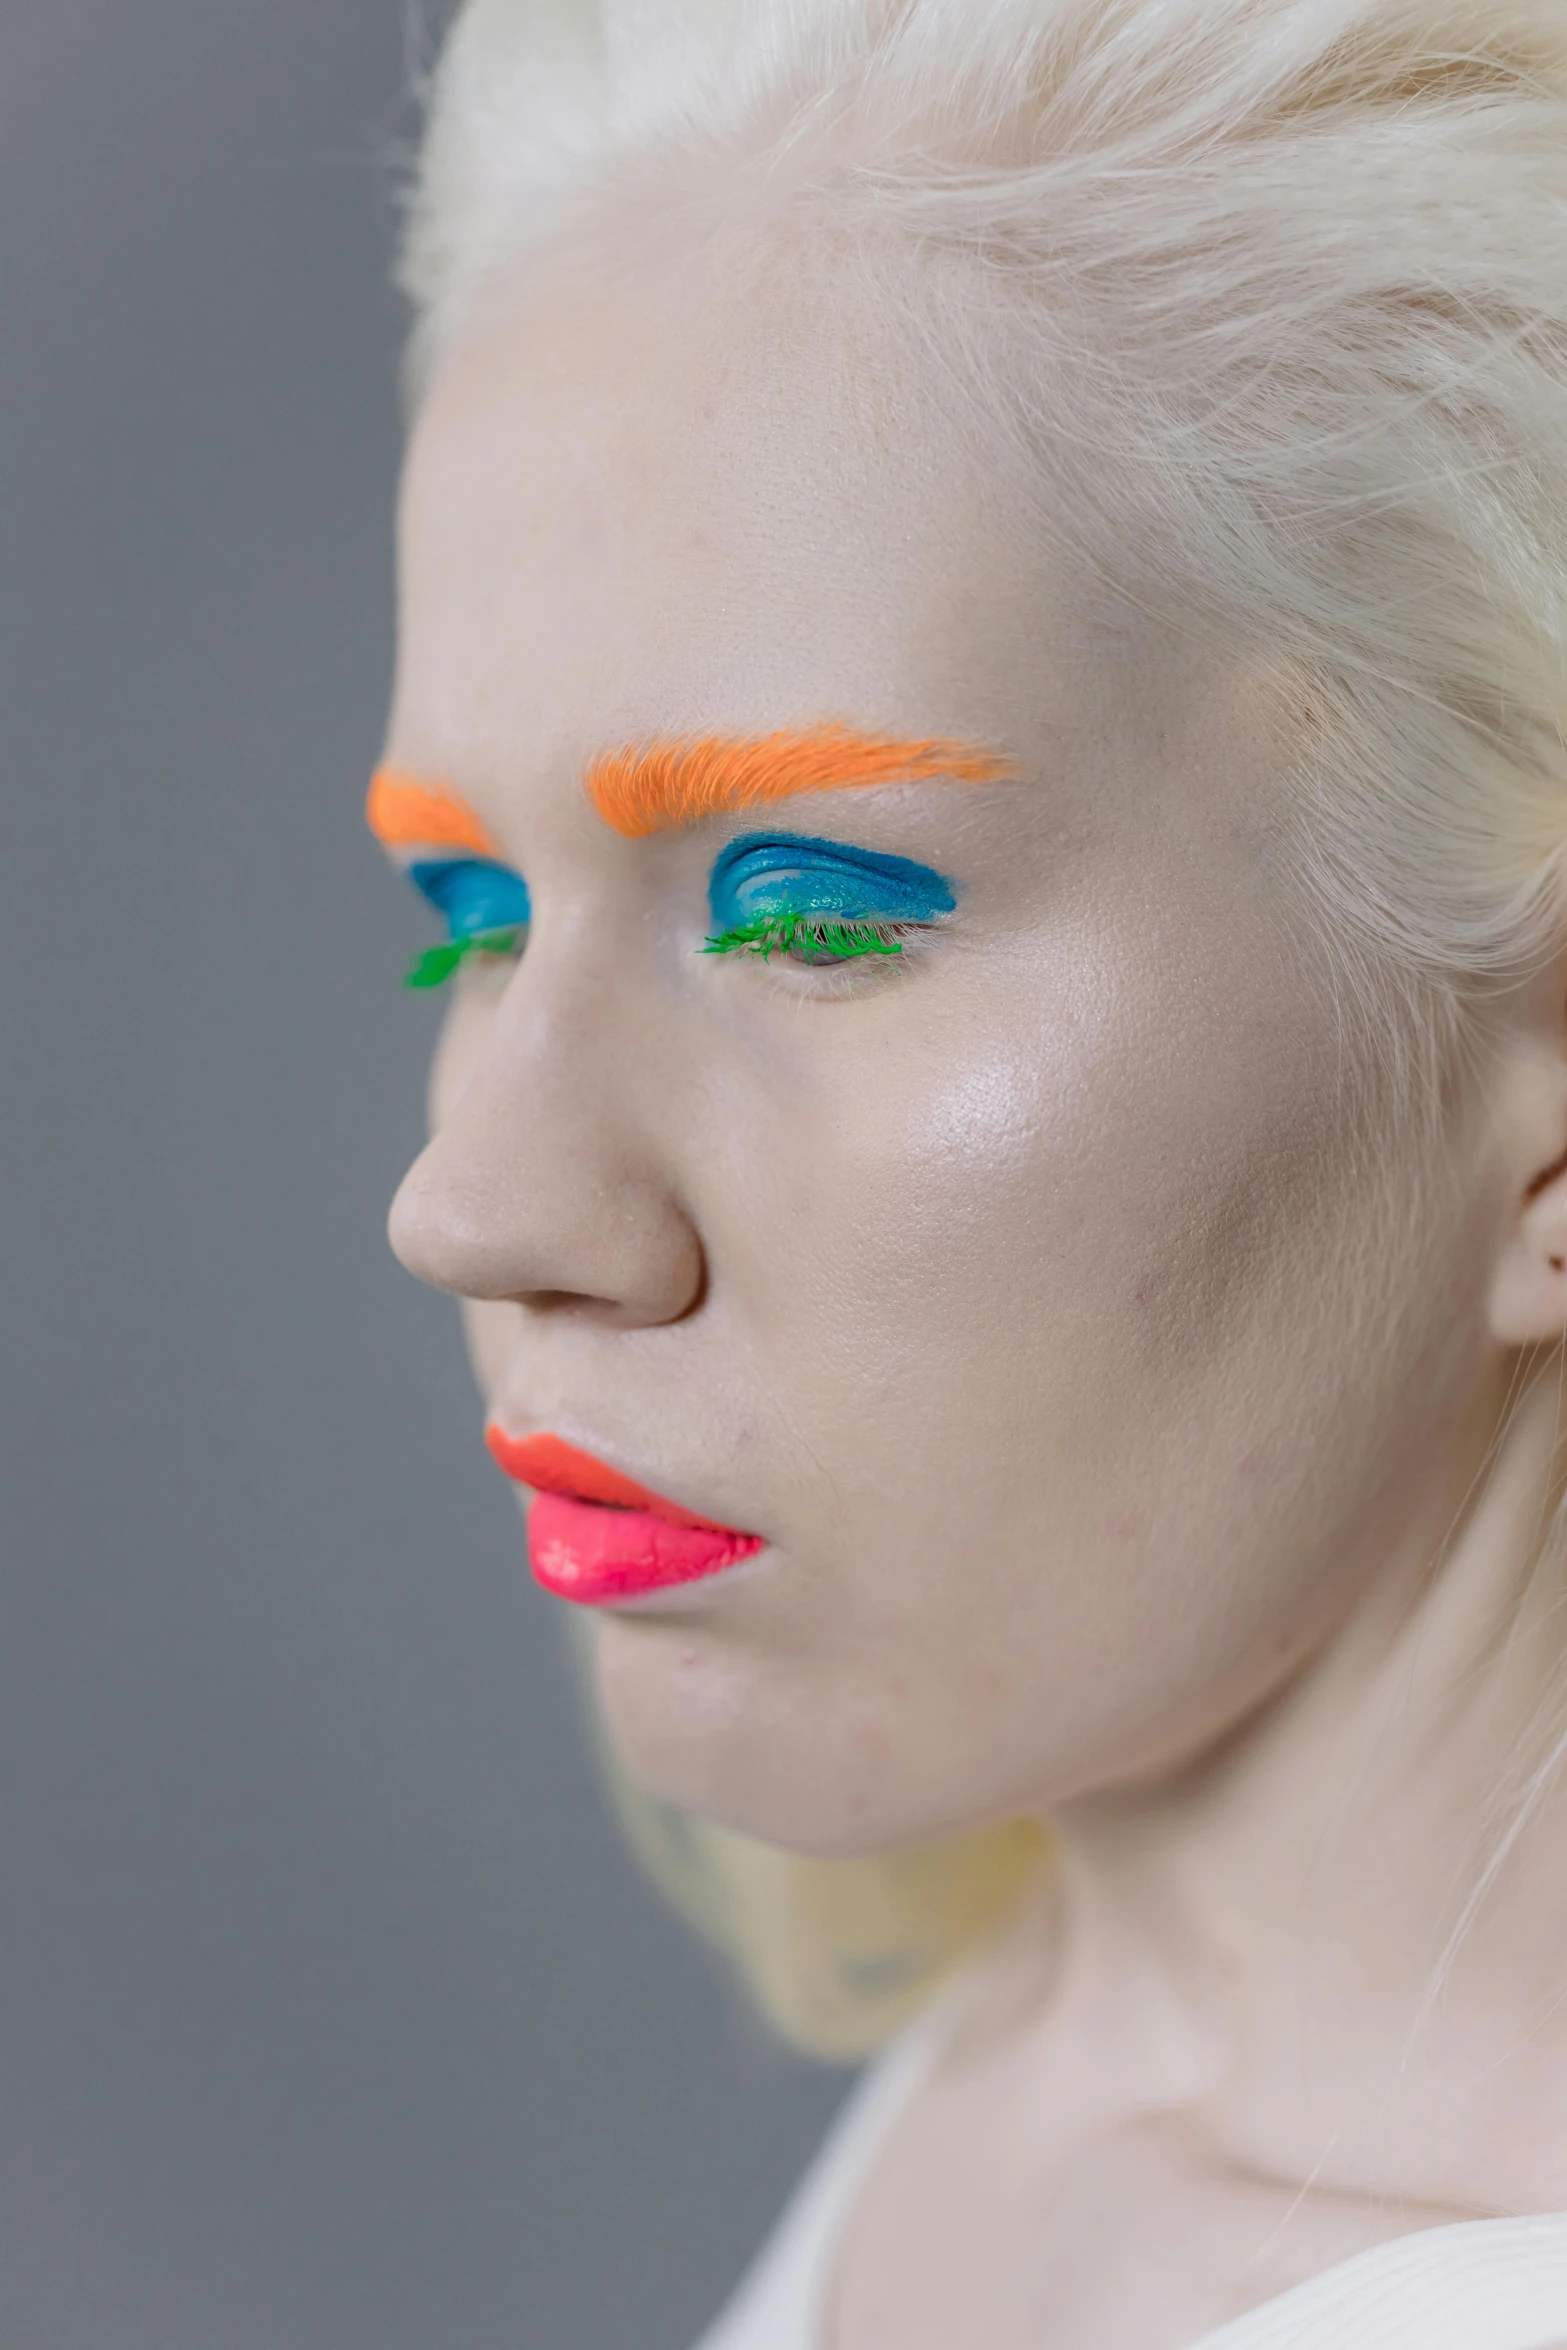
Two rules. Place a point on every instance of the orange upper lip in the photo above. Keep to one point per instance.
(550, 1465)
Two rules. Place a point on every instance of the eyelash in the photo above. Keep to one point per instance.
(823, 939)
(459, 889)
(439, 963)
(785, 935)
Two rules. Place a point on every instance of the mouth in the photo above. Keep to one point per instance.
(595, 1536)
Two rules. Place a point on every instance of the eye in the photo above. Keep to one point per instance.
(818, 901)
(487, 912)
(798, 938)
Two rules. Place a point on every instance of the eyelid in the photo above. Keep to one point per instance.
(828, 876)
(474, 893)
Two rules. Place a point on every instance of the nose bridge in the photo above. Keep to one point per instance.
(544, 1177)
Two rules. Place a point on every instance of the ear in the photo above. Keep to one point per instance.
(1529, 1287)
(1528, 1302)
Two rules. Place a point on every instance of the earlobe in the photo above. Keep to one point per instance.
(1529, 1288)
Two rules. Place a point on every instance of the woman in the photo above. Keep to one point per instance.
(982, 691)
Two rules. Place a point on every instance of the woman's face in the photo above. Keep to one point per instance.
(1033, 1292)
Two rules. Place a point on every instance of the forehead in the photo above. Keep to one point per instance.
(693, 507)
(683, 508)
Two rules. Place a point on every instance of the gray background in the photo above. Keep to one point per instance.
(332, 2016)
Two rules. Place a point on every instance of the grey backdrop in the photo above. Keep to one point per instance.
(331, 2015)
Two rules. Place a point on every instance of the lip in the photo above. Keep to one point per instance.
(596, 1536)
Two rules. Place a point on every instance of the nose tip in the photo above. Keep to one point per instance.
(438, 1237)
(548, 1232)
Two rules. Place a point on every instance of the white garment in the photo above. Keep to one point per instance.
(1485, 2285)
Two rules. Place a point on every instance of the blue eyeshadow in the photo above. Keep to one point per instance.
(767, 875)
(474, 894)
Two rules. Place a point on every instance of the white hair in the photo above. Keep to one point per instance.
(1269, 295)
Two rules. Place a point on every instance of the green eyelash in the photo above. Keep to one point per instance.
(779, 934)
(435, 966)
(773, 934)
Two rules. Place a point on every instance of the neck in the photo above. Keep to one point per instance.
(1343, 1941)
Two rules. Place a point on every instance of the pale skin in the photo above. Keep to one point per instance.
(1113, 1399)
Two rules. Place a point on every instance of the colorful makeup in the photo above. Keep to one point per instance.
(663, 784)
(793, 895)
(487, 910)
(452, 861)
(595, 1536)
(818, 901)
(408, 817)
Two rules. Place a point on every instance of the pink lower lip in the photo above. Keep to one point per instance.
(593, 1553)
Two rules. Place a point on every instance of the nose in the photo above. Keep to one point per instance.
(543, 1181)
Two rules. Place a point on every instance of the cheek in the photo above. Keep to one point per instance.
(1068, 1319)
(1055, 1219)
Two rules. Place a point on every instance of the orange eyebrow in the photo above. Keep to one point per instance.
(667, 783)
(404, 813)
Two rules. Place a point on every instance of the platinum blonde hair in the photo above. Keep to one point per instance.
(1270, 299)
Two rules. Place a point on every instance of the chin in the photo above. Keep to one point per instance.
(694, 1730)
(780, 1757)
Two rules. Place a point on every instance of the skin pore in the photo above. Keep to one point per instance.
(1116, 1373)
